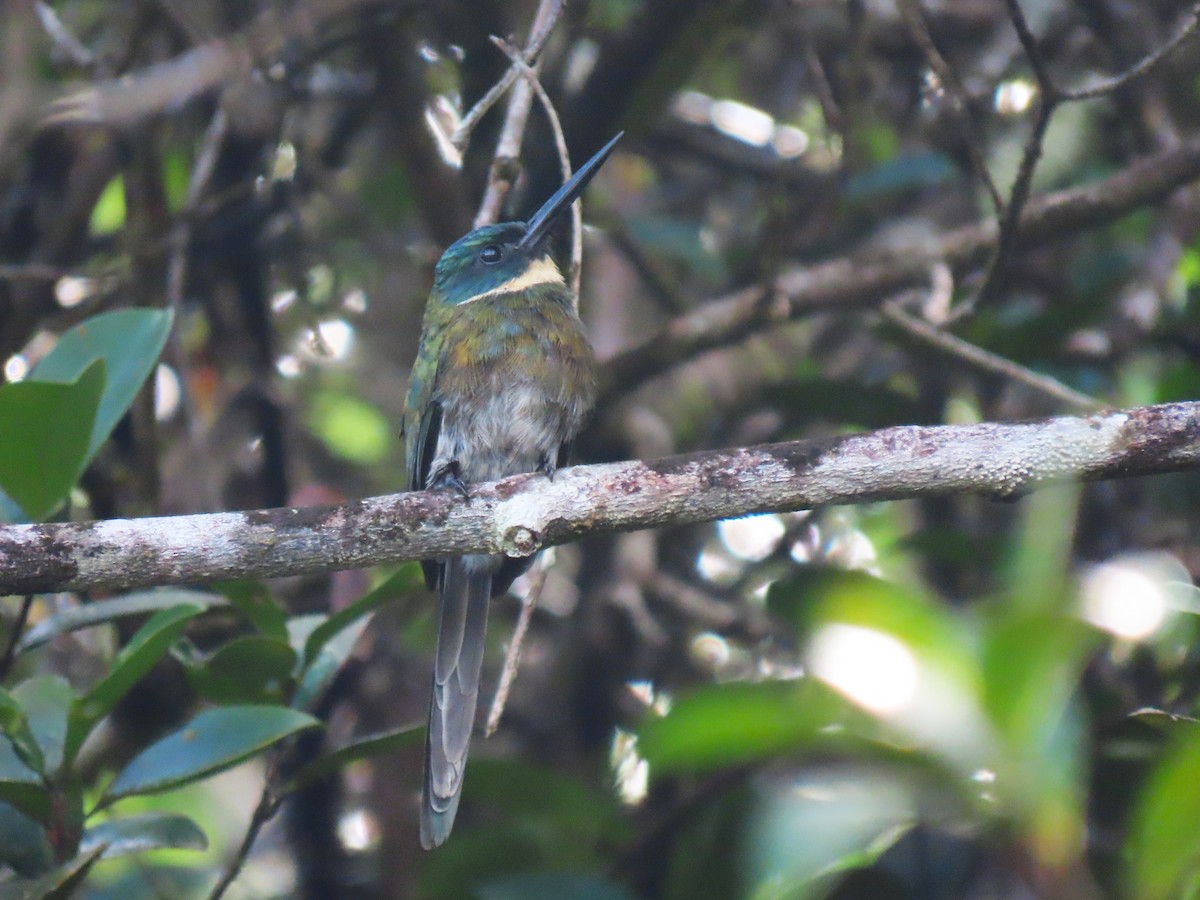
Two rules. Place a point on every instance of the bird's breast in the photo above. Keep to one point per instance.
(516, 382)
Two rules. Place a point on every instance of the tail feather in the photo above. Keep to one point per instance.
(462, 630)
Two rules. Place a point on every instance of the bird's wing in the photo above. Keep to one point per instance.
(421, 426)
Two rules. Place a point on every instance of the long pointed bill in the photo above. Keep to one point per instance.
(545, 217)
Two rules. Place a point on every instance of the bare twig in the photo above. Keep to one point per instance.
(910, 10)
(268, 805)
(1143, 67)
(14, 636)
(512, 656)
(575, 268)
(952, 345)
(525, 513)
(508, 148)
(1029, 44)
(1047, 101)
(71, 48)
(177, 264)
(542, 27)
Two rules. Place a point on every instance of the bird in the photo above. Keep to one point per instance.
(502, 382)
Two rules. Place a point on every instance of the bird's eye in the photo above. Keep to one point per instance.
(491, 254)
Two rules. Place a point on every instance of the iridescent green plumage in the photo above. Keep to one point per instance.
(503, 379)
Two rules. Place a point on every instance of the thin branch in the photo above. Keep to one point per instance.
(1143, 67)
(14, 636)
(910, 11)
(867, 279)
(973, 355)
(537, 41)
(575, 269)
(512, 656)
(1029, 44)
(505, 167)
(71, 48)
(268, 805)
(526, 513)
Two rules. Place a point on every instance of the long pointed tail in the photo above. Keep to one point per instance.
(462, 630)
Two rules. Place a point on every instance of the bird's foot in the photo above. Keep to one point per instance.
(547, 465)
(449, 476)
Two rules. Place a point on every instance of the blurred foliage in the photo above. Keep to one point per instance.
(218, 222)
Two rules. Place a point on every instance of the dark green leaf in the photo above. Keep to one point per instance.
(23, 843)
(46, 430)
(46, 700)
(129, 342)
(560, 885)
(136, 659)
(15, 725)
(250, 669)
(405, 579)
(100, 612)
(1164, 843)
(253, 600)
(58, 885)
(213, 741)
(360, 748)
(331, 658)
(149, 831)
(20, 785)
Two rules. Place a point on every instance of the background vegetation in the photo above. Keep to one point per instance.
(217, 227)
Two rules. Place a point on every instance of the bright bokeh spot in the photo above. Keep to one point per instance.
(1131, 595)
(631, 773)
(873, 669)
(16, 368)
(168, 393)
(744, 123)
(751, 538)
(71, 290)
(1014, 97)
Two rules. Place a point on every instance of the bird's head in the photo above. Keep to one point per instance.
(511, 256)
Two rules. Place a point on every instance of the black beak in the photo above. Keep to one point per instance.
(544, 218)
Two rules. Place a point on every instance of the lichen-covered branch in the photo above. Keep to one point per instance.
(524, 513)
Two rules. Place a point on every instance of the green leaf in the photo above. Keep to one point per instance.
(149, 831)
(129, 342)
(46, 700)
(108, 215)
(406, 579)
(58, 885)
(250, 669)
(253, 601)
(830, 821)
(734, 723)
(23, 843)
(47, 429)
(1164, 843)
(213, 741)
(332, 657)
(361, 748)
(15, 724)
(136, 659)
(101, 612)
(20, 785)
(560, 885)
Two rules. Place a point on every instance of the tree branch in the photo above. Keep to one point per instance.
(869, 279)
(524, 513)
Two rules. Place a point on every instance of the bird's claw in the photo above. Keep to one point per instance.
(448, 477)
(546, 465)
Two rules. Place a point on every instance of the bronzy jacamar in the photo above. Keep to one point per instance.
(502, 381)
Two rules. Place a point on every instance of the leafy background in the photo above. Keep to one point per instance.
(211, 281)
